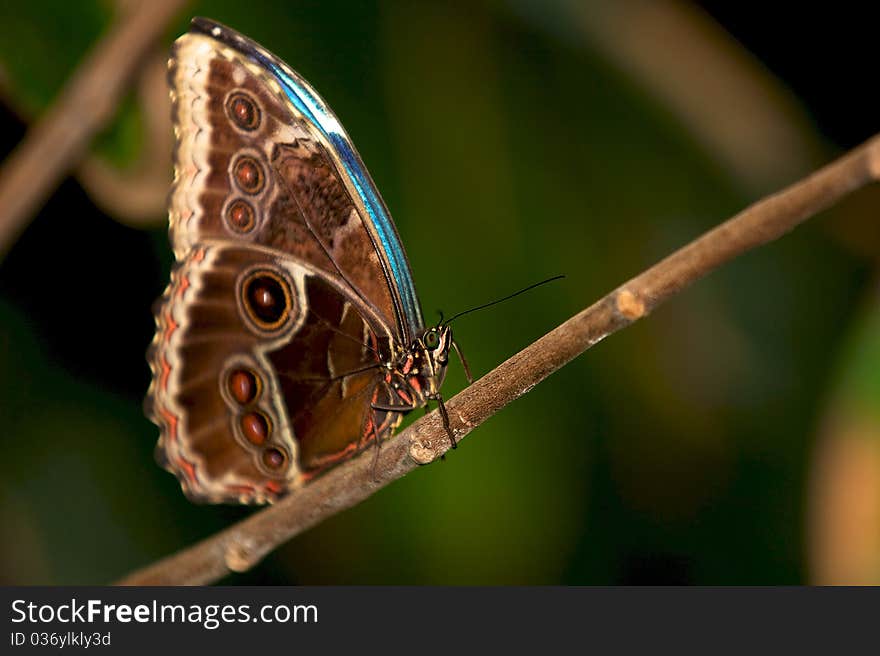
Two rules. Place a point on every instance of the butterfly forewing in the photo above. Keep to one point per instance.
(251, 169)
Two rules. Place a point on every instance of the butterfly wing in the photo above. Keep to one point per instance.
(255, 398)
(291, 290)
(262, 159)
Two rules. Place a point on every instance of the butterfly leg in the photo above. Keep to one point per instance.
(413, 399)
(464, 363)
(383, 407)
(378, 446)
(445, 417)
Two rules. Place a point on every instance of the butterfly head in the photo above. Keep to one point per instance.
(430, 354)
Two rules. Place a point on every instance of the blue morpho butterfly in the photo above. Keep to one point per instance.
(290, 337)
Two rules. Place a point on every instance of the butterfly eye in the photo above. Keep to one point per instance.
(432, 339)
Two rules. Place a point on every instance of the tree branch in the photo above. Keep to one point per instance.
(57, 141)
(241, 546)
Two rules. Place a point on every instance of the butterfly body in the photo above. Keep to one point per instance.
(290, 337)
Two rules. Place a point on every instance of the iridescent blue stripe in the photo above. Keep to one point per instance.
(313, 110)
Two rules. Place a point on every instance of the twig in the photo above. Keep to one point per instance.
(242, 545)
(56, 142)
(136, 194)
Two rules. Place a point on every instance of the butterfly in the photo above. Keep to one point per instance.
(290, 337)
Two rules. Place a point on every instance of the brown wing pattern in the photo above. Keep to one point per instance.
(251, 171)
(253, 402)
(329, 378)
(272, 334)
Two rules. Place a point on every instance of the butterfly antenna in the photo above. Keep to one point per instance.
(501, 300)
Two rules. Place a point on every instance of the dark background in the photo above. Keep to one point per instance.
(511, 143)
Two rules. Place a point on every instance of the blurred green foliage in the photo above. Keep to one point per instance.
(674, 452)
(859, 374)
(41, 45)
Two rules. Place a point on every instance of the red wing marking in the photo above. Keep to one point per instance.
(170, 420)
(241, 489)
(165, 373)
(332, 459)
(182, 287)
(272, 488)
(170, 325)
(188, 468)
(368, 426)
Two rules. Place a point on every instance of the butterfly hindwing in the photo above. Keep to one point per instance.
(265, 374)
